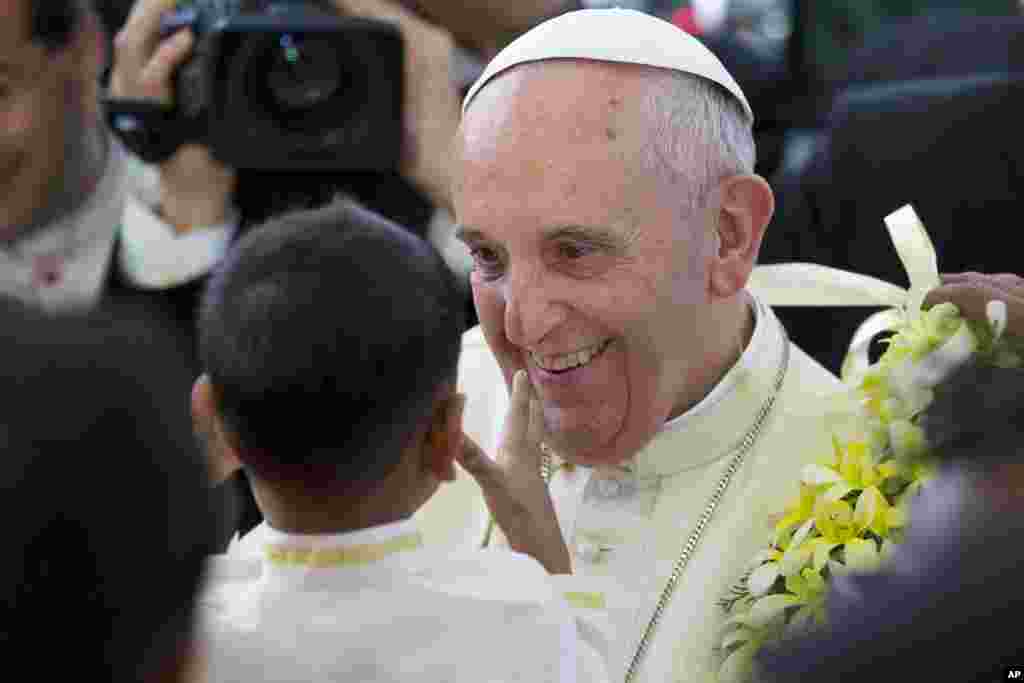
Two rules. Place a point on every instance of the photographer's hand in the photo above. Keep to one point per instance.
(195, 189)
(432, 104)
(513, 487)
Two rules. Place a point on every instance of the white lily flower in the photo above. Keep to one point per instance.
(816, 475)
(763, 578)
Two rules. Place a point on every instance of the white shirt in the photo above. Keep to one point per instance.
(65, 265)
(375, 605)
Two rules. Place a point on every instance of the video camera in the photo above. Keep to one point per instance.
(276, 85)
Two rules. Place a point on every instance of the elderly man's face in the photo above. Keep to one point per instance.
(589, 270)
(44, 107)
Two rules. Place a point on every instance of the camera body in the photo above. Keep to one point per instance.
(289, 85)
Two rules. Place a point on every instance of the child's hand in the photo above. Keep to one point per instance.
(513, 487)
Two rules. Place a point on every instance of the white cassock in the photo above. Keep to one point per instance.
(627, 528)
(377, 605)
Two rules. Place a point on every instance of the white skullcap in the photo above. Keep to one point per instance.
(612, 35)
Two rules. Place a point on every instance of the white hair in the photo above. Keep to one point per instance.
(697, 134)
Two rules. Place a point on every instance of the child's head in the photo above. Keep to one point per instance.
(109, 514)
(330, 339)
(977, 422)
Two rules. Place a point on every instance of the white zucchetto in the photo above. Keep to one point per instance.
(612, 35)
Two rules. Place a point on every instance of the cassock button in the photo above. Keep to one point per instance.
(49, 270)
(609, 488)
(613, 485)
(590, 552)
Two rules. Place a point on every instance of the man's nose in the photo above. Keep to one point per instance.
(530, 311)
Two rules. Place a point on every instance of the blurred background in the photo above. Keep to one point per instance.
(862, 106)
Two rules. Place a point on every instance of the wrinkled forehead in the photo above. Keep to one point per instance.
(578, 100)
(554, 145)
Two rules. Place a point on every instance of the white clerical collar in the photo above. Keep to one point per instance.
(322, 551)
(83, 239)
(100, 217)
(701, 435)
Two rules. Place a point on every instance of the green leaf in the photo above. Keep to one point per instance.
(737, 637)
(739, 666)
(896, 517)
(796, 585)
(794, 559)
(862, 555)
(815, 584)
(867, 508)
(801, 622)
(838, 491)
(822, 552)
(907, 439)
(837, 568)
(769, 608)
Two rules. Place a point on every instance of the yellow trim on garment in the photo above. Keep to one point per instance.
(584, 600)
(343, 557)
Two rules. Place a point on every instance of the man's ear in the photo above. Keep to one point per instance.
(745, 208)
(445, 435)
(220, 451)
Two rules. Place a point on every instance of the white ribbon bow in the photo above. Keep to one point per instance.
(810, 284)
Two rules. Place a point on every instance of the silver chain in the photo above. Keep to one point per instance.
(741, 448)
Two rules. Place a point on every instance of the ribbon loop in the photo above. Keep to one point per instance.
(810, 284)
(916, 252)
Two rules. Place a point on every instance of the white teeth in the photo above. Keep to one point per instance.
(569, 360)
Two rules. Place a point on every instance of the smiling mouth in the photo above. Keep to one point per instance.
(561, 364)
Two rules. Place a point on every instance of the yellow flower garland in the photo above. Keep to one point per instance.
(851, 505)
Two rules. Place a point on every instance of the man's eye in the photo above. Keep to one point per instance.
(486, 260)
(484, 255)
(572, 251)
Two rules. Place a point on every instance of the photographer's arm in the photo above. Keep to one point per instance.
(179, 230)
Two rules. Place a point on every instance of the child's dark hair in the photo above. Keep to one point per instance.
(977, 417)
(327, 335)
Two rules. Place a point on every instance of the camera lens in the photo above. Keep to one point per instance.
(303, 72)
(305, 84)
